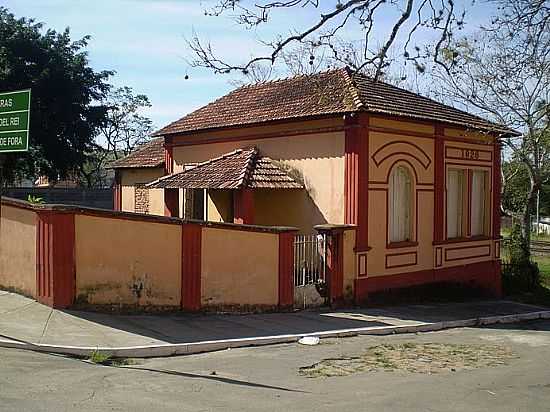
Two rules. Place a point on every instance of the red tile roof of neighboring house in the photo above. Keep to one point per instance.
(332, 92)
(150, 154)
(242, 168)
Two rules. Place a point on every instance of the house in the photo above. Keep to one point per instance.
(417, 180)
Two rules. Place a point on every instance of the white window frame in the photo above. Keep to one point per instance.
(400, 205)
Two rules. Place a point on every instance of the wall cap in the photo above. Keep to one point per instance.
(90, 211)
(332, 228)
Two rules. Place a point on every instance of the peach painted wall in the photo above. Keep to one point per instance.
(319, 158)
(131, 177)
(239, 268)
(386, 151)
(18, 250)
(116, 257)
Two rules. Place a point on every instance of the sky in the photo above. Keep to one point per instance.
(144, 41)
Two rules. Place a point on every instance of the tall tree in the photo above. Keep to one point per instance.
(64, 117)
(123, 130)
(504, 73)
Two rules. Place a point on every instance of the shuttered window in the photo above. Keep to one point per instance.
(455, 201)
(400, 205)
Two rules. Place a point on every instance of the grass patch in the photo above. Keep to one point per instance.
(540, 296)
(106, 359)
(412, 357)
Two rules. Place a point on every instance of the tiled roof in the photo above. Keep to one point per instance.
(332, 92)
(242, 168)
(150, 154)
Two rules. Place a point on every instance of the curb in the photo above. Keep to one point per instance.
(153, 351)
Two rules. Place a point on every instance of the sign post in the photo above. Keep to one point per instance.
(14, 127)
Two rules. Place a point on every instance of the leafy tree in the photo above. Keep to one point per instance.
(64, 114)
(122, 131)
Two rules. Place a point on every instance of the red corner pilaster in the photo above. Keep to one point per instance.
(171, 202)
(117, 192)
(286, 270)
(496, 190)
(168, 157)
(55, 258)
(356, 191)
(191, 244)
(243, 206)
(439, 184)
(335, 261)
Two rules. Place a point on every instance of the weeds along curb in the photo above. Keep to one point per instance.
(153, 351)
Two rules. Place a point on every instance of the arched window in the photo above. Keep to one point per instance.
(400, 205)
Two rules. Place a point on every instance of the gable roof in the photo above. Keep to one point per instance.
(332, 92)
(150, 154)
(241, 168)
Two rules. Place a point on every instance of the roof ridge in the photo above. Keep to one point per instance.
(352, 87)
(293, 77)
(249, 167)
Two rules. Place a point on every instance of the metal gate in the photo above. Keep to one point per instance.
(310, 270)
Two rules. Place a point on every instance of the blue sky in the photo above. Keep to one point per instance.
(144, 42)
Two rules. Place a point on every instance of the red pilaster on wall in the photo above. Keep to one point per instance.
(171, 202)
(243, 206)
(168, 158)
(496, 190)
(117, 192)
(286, 266)
(191, 243)
(55, 258)
(357, 177)
(439, 184)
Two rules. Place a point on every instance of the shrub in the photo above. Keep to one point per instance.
(520, 274)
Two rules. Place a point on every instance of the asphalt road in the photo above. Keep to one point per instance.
(267, 379)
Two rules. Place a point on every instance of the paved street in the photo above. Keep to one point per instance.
(268, 379)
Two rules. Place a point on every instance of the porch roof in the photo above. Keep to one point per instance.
(241, 168)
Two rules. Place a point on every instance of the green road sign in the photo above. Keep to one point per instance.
(14, 121)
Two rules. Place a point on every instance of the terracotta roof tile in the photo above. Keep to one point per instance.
(235, 170)
(150, 154)
(332, 92)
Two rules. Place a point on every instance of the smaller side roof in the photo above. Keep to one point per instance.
(241, 168)
(148, 155)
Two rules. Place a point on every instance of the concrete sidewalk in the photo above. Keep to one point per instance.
(27, 324)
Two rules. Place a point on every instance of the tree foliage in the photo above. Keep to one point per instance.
(503, 72)
(64, 114)
(123, 130)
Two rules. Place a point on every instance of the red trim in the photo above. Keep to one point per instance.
(117, 192)
(336, 267)
(483, 274)
(466, 158)
(462, 240)
(171, 202)
(467, 257)
(191, 251)
(399, 245)
(286, 266)
(439, 185)
(259, 136)
(55, 259)
(414, 253)
(168, 159)
(496, 190)
(425, 164)
(243, 206)
(391, 130)
(356, 191)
